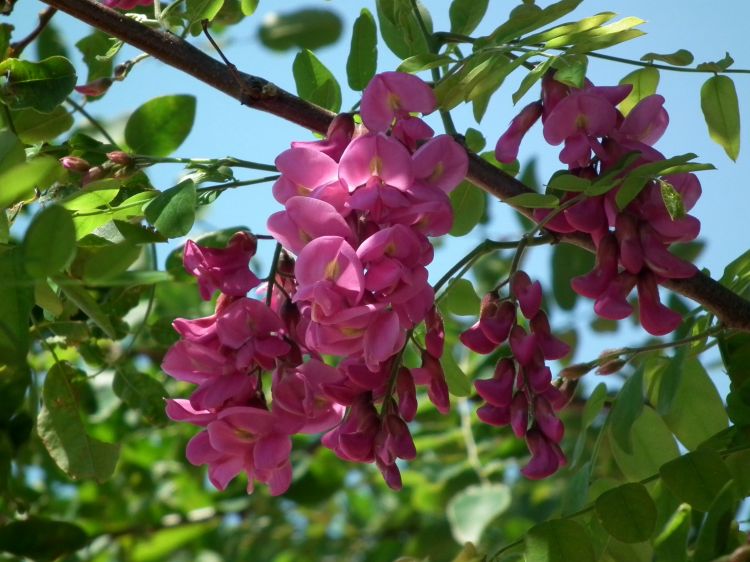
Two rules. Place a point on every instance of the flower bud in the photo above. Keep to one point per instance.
(75, 163)
(120, 157)
(575, 372)
(96, 88)
(611, 366)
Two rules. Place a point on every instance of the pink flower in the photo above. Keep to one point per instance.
(225, 269)
(302, 170)
(126, 4)
(656, 318)
(507, 146)
(441, 163)
(100, 86)
(354, 438)
(529, 294)
(498, 391)
(392, 95)
(546, 456)
(431, 374)
(305, 219)
(376, 156)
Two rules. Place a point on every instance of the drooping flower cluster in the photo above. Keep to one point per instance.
(521, 393)
(358, 209)
(632, 243)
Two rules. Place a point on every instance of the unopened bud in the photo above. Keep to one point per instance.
(120, 157)
(96, 88)
(575, 372)
(611, 366)
(567, 388)
(93, 174)
(75, 163)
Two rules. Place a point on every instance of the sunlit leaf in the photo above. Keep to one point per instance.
(314, 81)
(362, 61)
(461, 298)
(721, 111)
(471, 510)
(681, 57)
(159, 126)
(93, 47)
(18, 182)
(465, 15)
(198, 10)
(653, 446)
(173, 211)
(468, 202)
(400, 28)
(644, 82)
(40, 85)
(33, 126)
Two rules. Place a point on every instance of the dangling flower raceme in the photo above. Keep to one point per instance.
(632, 242)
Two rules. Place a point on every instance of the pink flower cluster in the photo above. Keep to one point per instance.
(632, 243)
(358, 209)
(126, 4)
(521, 393)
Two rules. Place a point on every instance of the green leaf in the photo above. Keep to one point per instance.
(559, 540)
(534, 200)
(696, 478)
(735, 346)
(628, 407)
(248, 7)
(50, 242)
(109, 261)
(425, 61)
(83, 300)
(568, 182)
(33, 127)
(16, 303)
(99, 196)
(644, 82)
(672, 200)
(716, 66)
(570, 28)
(571, 70)
(18, 182)
(721, 111)
(475, 140)
(50, 43)
(671, 543)
(40, 85)
(94, 47)
(532, 78)
(362, 61)
(471, 510)
(310, 28)
(465, 15)
(568, 261)
(594, 404)
(400, 28)
(681, 57)
(627, 512)
(41, 539)
(198, 10)
(461, 299)
(457, 381)
(315, 83)
(718, 526)
(141, 392)
(653, 446)
(468, 202)
(159, 126)
(12, 152)
(528, 20)
(599, 43)
(173, 211)
(64, 434)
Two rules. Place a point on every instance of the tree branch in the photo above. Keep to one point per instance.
(730, 308)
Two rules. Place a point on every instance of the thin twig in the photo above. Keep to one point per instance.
(15, 49)
(94, 122)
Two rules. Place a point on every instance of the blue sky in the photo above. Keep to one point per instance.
(223, 127)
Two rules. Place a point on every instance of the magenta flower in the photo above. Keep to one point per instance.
(225, 269)
(528, 294)
(506, 150)
(392, 95)
(498, 391)
(441, 163)
(304, 169)
(656, 318)
(126, 4)
(376, 156)
(546, 456)
(305, 219)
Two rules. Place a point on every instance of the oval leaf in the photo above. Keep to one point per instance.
(627, 512)
(472, 509)
(159, 126)
(50, 242)
(18, 182)
(457, 381)
(33, 126)
(63, 432)
(304, 29)
(41, 85)
(173, 211)
(41, 539)
(721, 111)
(644, 82)
(559, 540)
(461, 298)
(534, 201)
(681, 57)
(696, 478)
(141, 392)
(315, 83)
(465, 15)
(468, 202)
(363, 54)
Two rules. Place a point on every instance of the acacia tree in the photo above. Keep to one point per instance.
(297, 382)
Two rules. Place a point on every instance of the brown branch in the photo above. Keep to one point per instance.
(730, 308)
(17, 48)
